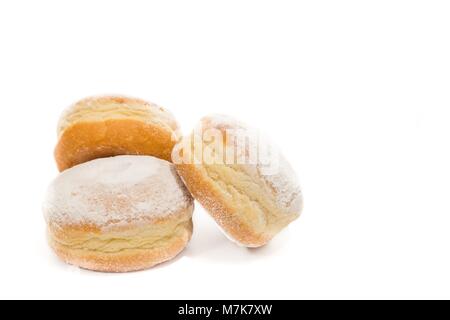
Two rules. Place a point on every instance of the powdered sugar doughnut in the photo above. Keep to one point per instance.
(240, 178)
(109, 126)
(118, 214)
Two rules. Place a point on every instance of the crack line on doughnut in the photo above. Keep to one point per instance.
(148, 245)
(270, 212)
(93, 115)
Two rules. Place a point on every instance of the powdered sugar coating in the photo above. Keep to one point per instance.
(116, 191)
(221, 121)
(286, 187)
(274, 171)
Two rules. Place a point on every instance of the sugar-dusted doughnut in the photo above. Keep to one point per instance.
(118, 214)
(107, 126)
(240, 178)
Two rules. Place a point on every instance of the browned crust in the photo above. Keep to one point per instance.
(225, 214)
(125, 260)
(87, 141)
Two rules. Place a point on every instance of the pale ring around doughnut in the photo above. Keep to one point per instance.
(118, 214)
(250, 201)
(108, 126)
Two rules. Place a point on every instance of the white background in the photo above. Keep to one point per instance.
(355, 92)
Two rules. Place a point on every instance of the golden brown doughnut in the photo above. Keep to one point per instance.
(107, 126)
(118, 214)
(251, 199)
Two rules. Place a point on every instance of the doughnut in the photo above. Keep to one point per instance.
(106, 126)
(252, 198)
(118, 214)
